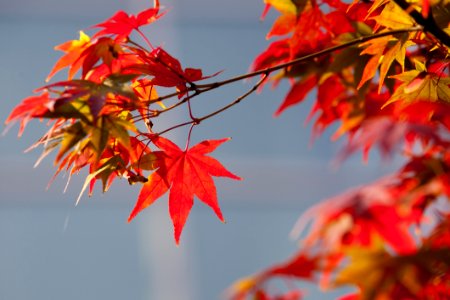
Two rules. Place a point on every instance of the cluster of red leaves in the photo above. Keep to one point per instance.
(375, 72)
(391, 92)
(95, 119)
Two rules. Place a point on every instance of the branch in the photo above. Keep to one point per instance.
(313, 55)
(197, 121)
(201, 88)
(239, 99)
(428, 24)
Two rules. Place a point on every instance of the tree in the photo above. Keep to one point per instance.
(381, 71)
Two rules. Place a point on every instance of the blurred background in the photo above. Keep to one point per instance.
(50, 249)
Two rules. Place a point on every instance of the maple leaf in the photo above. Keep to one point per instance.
(381, 275)
(276, 53)
(301, 266)
(167, 71)
(73, 50)
(384, 50)
(283, 25)
(312, 34)
(185, 173)
(420, 84)
(123, 24)
(393, 17)
(283, 6)
(395, 133)
(297, 93)
(360, 215)
(104, 49)
(31, 107)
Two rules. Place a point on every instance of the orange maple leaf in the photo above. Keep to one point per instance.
(73, 50)
(185, 173)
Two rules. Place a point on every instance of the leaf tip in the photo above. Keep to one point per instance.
(177, 235)
(278, 112)
(132, 215)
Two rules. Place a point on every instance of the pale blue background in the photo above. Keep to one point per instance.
(50, 249)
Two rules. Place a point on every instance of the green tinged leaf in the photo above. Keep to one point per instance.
(344, 59)
(99, 135)
(118, 128)
(105, 171)
(420, 85)
(284, 6)
(393, 17)
(72, 135)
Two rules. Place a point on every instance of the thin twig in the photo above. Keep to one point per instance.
(201, 88)
(239, 99)
(145, 39)
(188, 140)
(197, 121)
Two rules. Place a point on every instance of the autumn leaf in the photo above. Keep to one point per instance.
(395, 133)
(312, 34)
(301, 266)
(284, 6)
(166, 71)
(122, 24)
(104, 49)
(185, 173)
(283, 25)
(419, 84)
(31, 107)
(381, 275)
(73, 50)
(277, 52)
(384, 52)
(393, 17)
(297, 93)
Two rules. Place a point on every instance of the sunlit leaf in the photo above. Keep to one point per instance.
(185, 173)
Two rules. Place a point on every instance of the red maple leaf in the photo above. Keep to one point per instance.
(297, 93)
(31, 107)
(301, 266)
(167, 71)
(186, 173)
(123, 24)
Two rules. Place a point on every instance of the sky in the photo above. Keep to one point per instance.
(51, 249)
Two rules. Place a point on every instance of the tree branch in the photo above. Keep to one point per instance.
(428, 24)
(197, 121)
(201, 88)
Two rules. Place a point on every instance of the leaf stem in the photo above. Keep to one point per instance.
(189, 137)
(145, 39)
(239, 99)
(197, 121)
